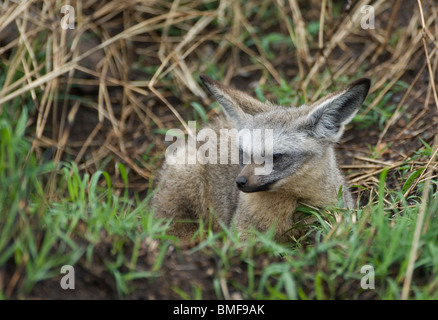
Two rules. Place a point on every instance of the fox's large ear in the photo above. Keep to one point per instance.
(237, 104)
(329, 115)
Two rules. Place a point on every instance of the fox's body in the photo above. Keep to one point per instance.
(189, 192)
(304, 166)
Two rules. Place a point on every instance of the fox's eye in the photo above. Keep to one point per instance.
(277, 156)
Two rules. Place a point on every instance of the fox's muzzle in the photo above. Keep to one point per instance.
(247, 181)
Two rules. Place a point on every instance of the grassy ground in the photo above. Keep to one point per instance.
(83, 114)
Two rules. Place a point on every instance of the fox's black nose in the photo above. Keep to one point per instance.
(241, 182)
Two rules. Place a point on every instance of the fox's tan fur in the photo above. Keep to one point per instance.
(187, 193)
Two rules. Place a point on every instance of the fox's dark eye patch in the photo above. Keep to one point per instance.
(283, 161)
(277, 156)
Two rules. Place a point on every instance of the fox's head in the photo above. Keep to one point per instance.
(297, 136)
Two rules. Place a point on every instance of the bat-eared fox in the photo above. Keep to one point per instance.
(283, 156)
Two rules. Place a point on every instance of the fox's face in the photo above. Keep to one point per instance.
(284, 140)
(285, 150)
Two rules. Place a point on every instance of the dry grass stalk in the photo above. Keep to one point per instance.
(180, 39)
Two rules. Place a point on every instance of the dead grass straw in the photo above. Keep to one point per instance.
(130, 69)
